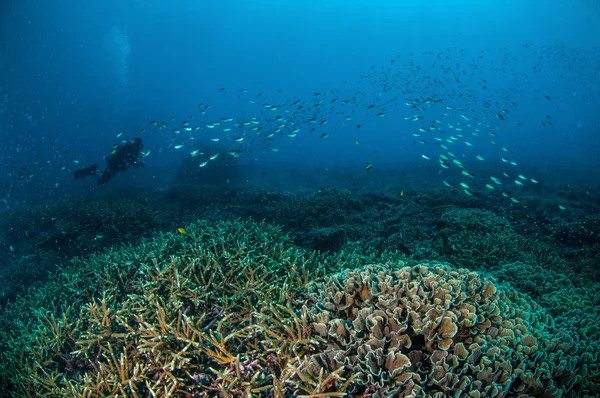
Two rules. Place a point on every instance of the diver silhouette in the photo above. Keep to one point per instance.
(122, 157)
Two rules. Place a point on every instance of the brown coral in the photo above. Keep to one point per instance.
(434, 330)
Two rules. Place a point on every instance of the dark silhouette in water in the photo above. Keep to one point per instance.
(122, 157)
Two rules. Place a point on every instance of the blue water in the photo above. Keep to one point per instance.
(75, 74)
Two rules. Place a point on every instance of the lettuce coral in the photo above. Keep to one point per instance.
(438, 331)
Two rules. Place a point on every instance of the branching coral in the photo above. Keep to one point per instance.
(188, 313)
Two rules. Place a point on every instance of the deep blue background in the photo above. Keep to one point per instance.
(74, 73)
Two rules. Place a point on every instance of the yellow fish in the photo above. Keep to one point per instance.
(182, 231)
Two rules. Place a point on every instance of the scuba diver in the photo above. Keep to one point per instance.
(122, 157)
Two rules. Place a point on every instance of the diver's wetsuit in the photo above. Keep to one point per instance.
(123, 156)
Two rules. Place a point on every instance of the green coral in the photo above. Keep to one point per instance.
(532, 279)
(476, 238)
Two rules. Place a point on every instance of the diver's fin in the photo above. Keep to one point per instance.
(85, 172)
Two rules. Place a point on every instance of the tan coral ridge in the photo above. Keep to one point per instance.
(438, 331)
(234, 309)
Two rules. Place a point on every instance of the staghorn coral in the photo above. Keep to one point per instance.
(440, 332)
(195, 313)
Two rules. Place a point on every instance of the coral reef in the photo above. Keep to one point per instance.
(532, 279)
(235, 309)
(423, 225)
(476, 238)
